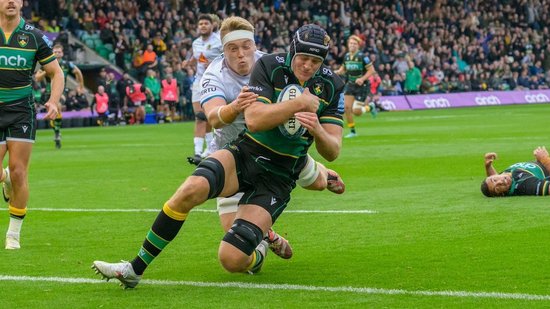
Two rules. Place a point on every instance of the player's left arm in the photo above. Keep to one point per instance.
(369, 72)
(79, 77)
(328, 137)
(57, 80)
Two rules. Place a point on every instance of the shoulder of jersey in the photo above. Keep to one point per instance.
(290, 92)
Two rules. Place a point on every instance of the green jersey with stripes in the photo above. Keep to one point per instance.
(356, 65)
(271, 74)
(528, 178)
(66, 67)
(19, 54)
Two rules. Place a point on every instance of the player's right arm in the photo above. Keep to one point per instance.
(489, 168)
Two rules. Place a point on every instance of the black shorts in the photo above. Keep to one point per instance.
(260, 186)
(18, 121)
(359, 92)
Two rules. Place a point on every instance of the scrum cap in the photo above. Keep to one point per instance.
(310, 40)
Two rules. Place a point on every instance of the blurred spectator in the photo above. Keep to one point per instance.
(152, 83)
(413, 79)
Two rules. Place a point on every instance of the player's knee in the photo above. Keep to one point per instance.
(201, 116)
(213, 171)
(232, 259)
(244, 236)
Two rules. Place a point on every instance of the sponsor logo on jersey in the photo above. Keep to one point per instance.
(23, 40)
(256, 88)
(14, 61)
(280, 59)
(327, 71)
(487, 100)
(47, 41)
(29, 27)
(437, 103)
(205, 82)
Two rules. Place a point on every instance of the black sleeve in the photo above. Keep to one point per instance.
(260, 83)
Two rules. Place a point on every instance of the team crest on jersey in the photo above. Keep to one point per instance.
(208, 46)
(23, 40)
(318, 88)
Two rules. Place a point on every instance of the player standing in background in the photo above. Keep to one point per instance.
(205, 48)
(21, 47)
(264, 162)
(66, 66)
(357, 68)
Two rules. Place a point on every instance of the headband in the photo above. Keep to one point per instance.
(237, 35)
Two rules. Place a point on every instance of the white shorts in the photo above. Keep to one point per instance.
(307, 176)
(195, 92)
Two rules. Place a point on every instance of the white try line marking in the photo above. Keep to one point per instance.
(293, 287)
(362, 211)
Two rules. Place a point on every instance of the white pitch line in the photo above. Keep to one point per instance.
(294, 287)
(363, 211)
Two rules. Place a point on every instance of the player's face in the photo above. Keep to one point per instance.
(58, 52)
(11, 8)
(305, 66)
(353, 46)
(499, 184)
(205, 27)
(239, 55)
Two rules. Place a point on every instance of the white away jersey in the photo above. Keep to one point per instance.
(205, 51)
(220, 81)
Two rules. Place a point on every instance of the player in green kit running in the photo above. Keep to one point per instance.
(523, 178)
(21, 47)
(66, 66)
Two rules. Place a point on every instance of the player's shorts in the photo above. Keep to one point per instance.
(196, 91)
(263, 187)
(307, 176)
(18, 122)
(359, 92)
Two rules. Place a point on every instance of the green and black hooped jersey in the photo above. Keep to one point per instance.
(271, 74)
(19, 54)
(356, 65)
(66, 67)
(528, 178)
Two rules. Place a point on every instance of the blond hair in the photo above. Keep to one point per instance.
(235, 23)
(356, 39)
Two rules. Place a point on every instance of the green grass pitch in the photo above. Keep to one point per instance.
(430, 239)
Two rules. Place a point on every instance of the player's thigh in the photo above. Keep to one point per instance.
(229, 169)
(19, 154)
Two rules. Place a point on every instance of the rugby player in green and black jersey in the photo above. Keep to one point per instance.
(263, 162)
(66, 66)
(21, 47)
(357, 68)
(522, 178)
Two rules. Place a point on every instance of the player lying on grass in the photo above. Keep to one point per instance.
(263, 162)
(225, 96)
(522, 178)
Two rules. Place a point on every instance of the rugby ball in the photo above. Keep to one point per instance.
(292, 127)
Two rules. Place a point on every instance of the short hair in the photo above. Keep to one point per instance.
(234, 23)
(485, 189)
(205, 17)
(57, 45)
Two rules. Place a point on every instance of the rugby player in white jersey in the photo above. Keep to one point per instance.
(205, 48)
(224, 97)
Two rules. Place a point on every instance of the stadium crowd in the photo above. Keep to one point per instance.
(416, 46)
